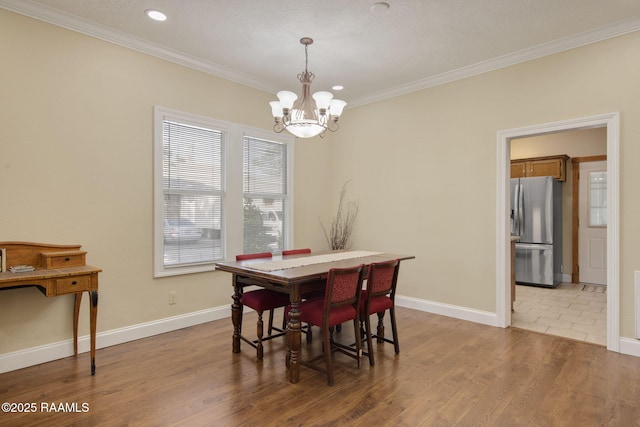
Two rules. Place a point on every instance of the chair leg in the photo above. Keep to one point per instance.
(309, 333)
(367, 328)
(259, 332)
(356, 332)
(380, 333)
(394, 329)
(270, 328)
(328, 356)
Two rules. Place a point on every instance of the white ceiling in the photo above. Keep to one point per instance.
(413, 45)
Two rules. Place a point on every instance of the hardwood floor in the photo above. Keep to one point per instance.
(449, 372)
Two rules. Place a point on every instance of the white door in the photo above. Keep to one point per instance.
(592, 230)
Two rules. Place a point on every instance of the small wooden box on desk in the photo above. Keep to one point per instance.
(59, 270)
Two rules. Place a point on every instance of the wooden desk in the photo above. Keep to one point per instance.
(60, 270)
(293, 281)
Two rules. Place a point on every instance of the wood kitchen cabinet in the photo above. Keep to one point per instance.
(555, 166)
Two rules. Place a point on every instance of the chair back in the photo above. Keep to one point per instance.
(382, 279)
(344, 286)
(243, 257)
(296, 251)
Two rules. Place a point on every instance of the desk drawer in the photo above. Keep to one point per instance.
(73, 284)
(62, 259)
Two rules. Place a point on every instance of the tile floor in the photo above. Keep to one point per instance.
(575, 311)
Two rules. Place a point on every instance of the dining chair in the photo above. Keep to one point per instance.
(378, 297)
(340, 304)
(262, 300)
(296, 251)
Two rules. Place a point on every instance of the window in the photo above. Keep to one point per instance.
(264, 182)
(598, 199)
(219, 188)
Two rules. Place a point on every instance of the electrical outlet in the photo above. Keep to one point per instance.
(172, 297)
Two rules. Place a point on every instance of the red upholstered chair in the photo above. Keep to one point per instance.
(243, 257)
(262, 300)
(378, 297)
(340, 304)
(296, 251)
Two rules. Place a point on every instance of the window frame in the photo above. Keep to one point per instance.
(231, 225)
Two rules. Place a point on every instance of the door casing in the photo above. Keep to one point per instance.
(503, 244)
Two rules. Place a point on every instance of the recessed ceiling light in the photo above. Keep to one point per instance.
(156, 15)
(337, 87)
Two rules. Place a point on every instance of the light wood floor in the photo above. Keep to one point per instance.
(449, 373)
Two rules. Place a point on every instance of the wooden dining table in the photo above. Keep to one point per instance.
(294, 275)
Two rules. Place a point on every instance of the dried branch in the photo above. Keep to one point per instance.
(343, 223)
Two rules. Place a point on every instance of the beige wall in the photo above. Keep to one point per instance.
(76, 167)
(576, 143)
(424, 166)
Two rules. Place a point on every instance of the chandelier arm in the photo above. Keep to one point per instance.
(332, 126)
(278, 127)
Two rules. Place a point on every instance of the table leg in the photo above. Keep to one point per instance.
(294, 335)
(93, 314)
(76, 314)
(236, 314)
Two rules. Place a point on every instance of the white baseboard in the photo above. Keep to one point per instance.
(457, 312)
(630, 346)
(46, 353)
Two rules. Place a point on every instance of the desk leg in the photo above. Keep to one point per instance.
(294, 335)
(76, 314)
(236, 314)
(93, 314)
(93, 317)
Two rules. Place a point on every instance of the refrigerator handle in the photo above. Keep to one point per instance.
(512, 218)
(515, 225)
(520, 209)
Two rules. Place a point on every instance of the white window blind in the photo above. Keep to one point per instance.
(265, 195)
(192, 186)
(217, 191)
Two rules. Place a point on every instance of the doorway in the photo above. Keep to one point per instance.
(503, 293)
(572, 309)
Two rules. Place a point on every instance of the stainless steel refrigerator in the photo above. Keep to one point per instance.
(536, 216)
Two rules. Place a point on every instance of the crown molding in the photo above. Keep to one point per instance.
(55, 17)
(74, 23)
(539, 51)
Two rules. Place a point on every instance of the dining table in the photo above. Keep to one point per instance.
(294, 275)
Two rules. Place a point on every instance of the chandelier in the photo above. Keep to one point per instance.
(311, 115)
